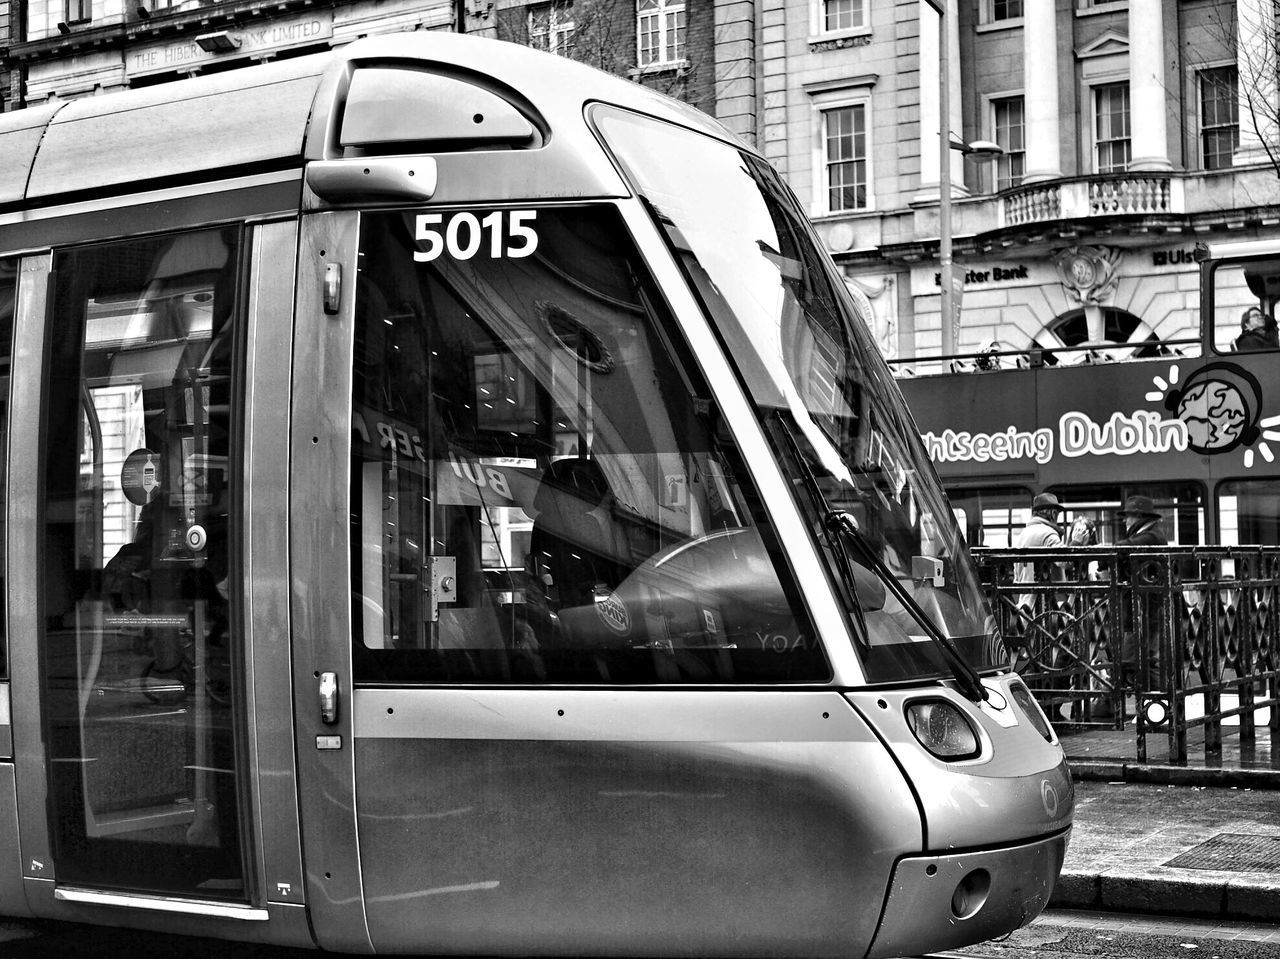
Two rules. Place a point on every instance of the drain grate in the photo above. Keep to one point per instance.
(1232, 852)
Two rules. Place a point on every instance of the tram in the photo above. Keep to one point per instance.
(452, 507)
(1187, 414)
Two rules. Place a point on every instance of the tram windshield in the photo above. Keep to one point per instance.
(819, 385)
(543, 490)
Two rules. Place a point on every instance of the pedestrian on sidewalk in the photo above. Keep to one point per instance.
(1041, 532)
(1142, 527)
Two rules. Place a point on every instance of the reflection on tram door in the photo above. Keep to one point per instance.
(438, 525)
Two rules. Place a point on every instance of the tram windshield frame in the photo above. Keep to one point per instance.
(819, 386)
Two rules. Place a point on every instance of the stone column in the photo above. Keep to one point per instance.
(1040, 91)
(1149, 143)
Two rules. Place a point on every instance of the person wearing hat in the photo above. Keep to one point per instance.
(1042, 532)
(1142, 527)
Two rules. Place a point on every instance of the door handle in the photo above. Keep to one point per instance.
(328, 698)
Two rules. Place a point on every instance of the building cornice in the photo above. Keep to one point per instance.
(1115, 230)
(157, 26)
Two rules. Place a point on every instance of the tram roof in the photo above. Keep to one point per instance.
(279, 115)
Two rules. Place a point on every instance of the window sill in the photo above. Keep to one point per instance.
(840, 39)
(826, 216)
(1115, 6)
(652, 69)
(1013, 23)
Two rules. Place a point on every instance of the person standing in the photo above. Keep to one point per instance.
(1142, 524)
(1041, 532)
(1142, 527)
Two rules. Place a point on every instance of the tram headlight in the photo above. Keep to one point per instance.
(943, 729)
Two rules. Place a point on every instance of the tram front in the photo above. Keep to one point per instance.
(636, 619)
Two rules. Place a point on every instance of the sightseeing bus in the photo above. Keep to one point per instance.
(1187, 414)
(452, 506)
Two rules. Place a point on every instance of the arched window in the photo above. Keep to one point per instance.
(1065, 339)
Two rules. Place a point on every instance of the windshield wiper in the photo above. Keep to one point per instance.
(840, 526)
(845, 524)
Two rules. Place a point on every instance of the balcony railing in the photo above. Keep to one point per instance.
(1186, 640)
(1111, 194)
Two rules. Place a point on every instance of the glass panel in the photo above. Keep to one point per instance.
(1219, 127)
(1009, 135)
(140, 635)
(1111, 106)
(542, 489)
(8, 294)
(1181, 507)
(821, 389)
(1245, 295)
(993, 515)
(1249, 513)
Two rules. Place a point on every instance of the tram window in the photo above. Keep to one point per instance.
(1181, 506)
(8, 294)
(140, 632)
(541, 487)
(1245, 296)
(1249, 513)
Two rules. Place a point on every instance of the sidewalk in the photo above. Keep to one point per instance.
(1187, 850)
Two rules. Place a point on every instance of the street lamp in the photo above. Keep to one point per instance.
(950, 319)
(979, 150)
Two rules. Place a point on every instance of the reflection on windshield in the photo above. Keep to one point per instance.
(790, 327)
(542, 488)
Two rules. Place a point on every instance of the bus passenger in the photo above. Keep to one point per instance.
(1257, 332)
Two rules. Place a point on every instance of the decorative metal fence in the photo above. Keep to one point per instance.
(1178, 639)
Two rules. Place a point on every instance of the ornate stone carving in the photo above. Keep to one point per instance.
(1088, 272)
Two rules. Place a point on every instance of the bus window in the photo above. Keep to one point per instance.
(1249, 512)
(541, 487)
(140, 633)
(1244, 305)
(993, 515)
(8, 292)
(1181, 505)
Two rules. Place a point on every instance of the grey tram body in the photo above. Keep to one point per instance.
(741, 821)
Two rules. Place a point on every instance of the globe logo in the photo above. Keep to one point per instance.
(1219, 404)
(1215, 414)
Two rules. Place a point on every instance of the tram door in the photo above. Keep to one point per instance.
(139, 639)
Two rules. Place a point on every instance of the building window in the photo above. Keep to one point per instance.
(1111, 127)
(78, 11)
(1009, 127)
(843, 15)
(1005, 10)
(1219, 117)
(551, 27)
(844, 145)
(660, 29)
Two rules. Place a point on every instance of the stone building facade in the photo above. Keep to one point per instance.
(1132, 130)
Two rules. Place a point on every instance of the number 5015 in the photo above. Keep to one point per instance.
(508, 233)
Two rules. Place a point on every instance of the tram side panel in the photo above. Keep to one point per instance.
(12, 899)
(673, 823)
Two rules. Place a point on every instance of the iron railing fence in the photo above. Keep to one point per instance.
(1180, 639)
